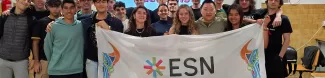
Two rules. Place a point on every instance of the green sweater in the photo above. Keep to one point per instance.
(216, 26)
(63, 47)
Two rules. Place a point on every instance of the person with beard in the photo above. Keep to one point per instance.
(209, 23)
(251, 14)
(172, 6)
(155, 16)
(38, 36)
(85, 8)
(164, 24)
(140, 23)
(196, 9)
(279, 40)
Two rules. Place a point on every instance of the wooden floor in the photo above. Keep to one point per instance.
(296, 75)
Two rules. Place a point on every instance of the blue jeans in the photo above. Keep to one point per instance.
(91, 69)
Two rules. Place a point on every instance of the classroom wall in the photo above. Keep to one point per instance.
(305, 19)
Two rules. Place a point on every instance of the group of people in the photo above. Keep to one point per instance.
(61, 34)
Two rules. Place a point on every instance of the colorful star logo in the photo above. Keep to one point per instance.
(154, 67)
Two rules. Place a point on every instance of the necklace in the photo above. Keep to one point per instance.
(139, 31)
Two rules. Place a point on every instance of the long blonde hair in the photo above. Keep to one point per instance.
(177, 23)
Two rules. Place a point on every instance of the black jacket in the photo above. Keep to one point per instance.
(87, 22)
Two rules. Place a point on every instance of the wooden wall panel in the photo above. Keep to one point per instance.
(305, 19)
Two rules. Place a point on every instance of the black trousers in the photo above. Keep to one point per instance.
(78, 75)
(275, 67)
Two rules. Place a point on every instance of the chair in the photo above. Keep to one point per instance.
(305, 68)
(291, 55)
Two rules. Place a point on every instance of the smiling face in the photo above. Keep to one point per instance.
(234, 17)
(184, 15)
(120, 11)
(85, 4)
(140, 15)
(208, 11)
(172, 5)
(163, 12)
(68, 10)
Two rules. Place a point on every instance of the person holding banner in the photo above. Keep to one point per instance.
(184, 22)
(279, 39)
(140, 23)
(104, 20)
(251, 14)
(165, 22)
(208, 23)
(235, 17)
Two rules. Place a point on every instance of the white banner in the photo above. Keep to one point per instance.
(234, 54)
